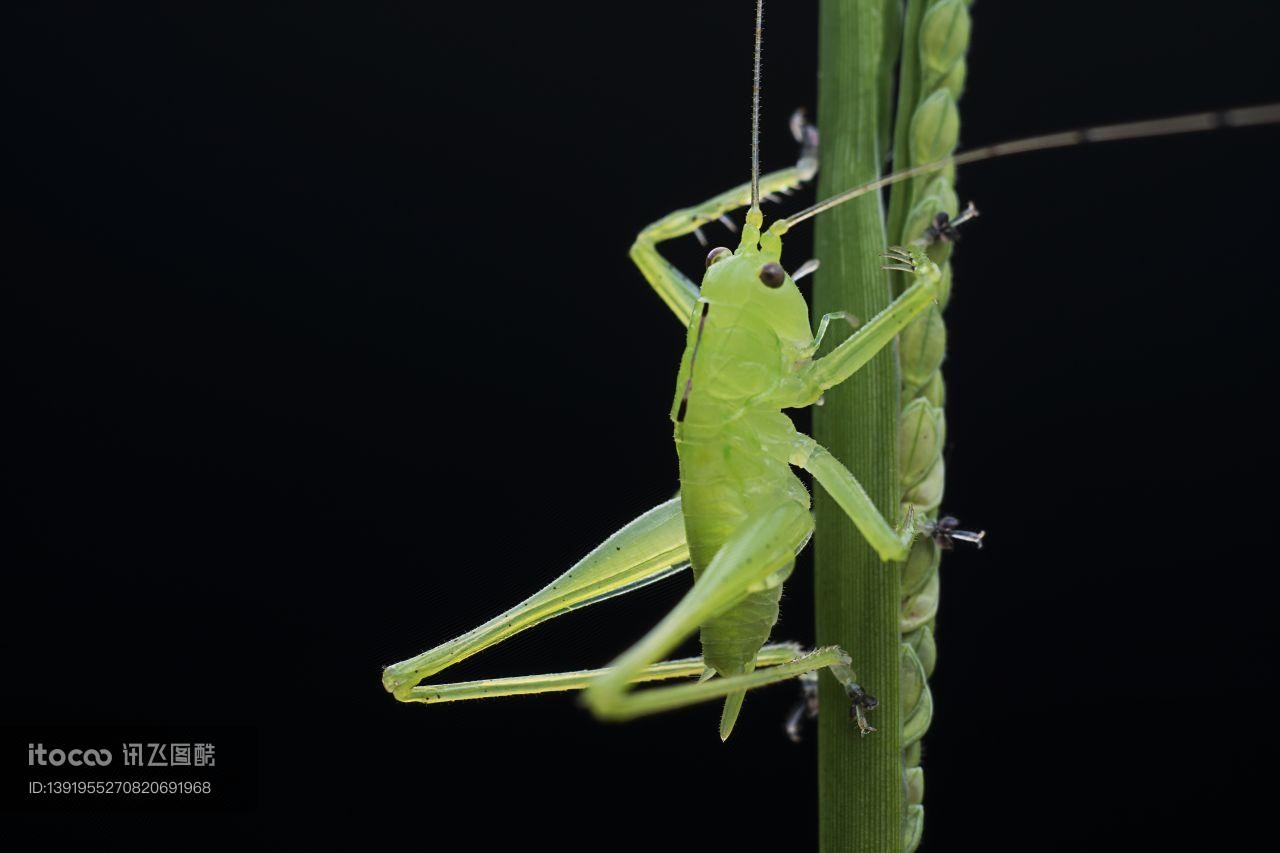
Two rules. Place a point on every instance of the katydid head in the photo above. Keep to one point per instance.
(752, 277)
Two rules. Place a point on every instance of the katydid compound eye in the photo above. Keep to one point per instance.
(719, 253)
(773, 275)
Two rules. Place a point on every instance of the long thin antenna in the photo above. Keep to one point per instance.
(1191, 123)
(755, 110)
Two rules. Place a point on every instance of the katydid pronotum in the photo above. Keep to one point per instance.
(742, 514)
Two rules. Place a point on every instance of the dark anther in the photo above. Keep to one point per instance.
(941, 229)
(773, 275)
(719, 253)
(945, 228)
(946, 532)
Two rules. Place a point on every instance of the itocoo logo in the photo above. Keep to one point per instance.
(37, 754)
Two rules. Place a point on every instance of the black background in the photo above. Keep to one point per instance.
(322, 345)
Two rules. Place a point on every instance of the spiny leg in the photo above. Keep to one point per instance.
(748, 561)
(890, 543)
(675, 288)
(648, 549)
(558, 682)
(859, 348)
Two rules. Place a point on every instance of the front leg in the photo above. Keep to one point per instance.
(880, 330)
(812, 349)
(673, 286)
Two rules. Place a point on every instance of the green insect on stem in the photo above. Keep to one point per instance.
(749, 354)
(742, 514)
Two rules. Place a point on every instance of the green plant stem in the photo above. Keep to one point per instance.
(860, 779)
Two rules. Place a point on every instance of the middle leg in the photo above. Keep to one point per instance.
(892, 544)
(859, 348)
(677, 291)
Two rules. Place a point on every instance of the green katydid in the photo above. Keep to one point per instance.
(742, 514)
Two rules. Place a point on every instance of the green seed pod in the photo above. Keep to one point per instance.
(920, 436)
(935, 390)
(944, 38)
(944, 188)
(921, 564)
(944, 287)
(919, 609)
(913, 830)
(913, 680)
(921, 347)
(921, 715)
(954, 81)
(926, 648)
(915, 786)
(917, 702)
(935, 128)
(921, 640)
(926, 495)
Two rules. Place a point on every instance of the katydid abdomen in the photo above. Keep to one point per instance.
(725, 481)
